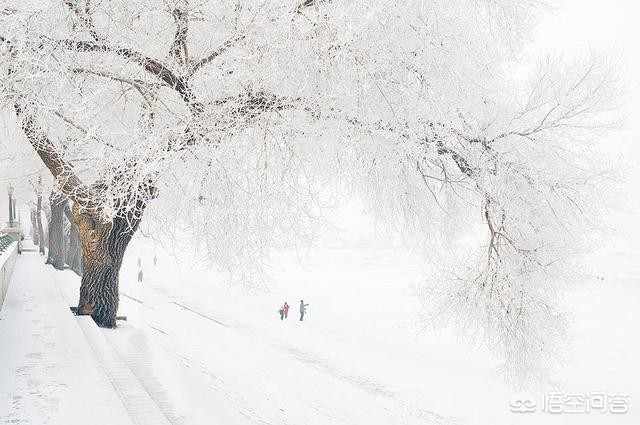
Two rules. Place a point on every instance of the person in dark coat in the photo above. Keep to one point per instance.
(303, 309)
(281, 312)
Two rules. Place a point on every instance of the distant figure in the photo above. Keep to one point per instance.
(303, 309)
(281, 312)
(155, 260)
(140, 275)
(139, 262)
(286, 310)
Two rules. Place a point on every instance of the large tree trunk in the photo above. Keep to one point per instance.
(41, 237)
(103, 247)
(73, 253)
(56, 255)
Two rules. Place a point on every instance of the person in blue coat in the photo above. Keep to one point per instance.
(303, 309)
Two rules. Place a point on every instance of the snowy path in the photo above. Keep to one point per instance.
(56, 368)
(48, 373)
(170, 363)
(195, 352)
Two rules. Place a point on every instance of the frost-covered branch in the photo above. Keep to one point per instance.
(153, 66)
(179, 50)
(240, 124)
(217, 52)
(83, 14)
(61, 170)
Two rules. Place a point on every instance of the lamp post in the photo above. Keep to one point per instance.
(10, 191)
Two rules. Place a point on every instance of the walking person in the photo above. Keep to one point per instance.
(281, 312)
(140, 276)
(286, 310)
(303, 309)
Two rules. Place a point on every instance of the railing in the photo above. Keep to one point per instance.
(5, 242)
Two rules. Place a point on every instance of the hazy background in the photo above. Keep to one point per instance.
(607, 26)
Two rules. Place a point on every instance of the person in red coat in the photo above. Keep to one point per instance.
(286, 310)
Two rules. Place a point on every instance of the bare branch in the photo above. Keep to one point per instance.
(84, 16)
(61, 170)
(220, 50)
(138, 84)
(153, 66)
(179, 49)
(253, 103)
(304, 4)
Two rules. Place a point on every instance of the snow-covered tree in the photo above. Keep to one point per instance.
(239, 120)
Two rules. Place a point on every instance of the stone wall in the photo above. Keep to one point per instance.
(7, 262)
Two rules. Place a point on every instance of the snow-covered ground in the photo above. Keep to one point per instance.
(196, 350)
(48, 374)
(359, 357)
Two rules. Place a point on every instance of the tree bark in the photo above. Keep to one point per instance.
(56, 254)
(103, 247)
(102, 243)
(73, 254)
(34, 227)
(39, 220)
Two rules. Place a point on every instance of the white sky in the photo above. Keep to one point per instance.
(607, 26)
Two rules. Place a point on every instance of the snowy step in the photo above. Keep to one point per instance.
(138, 402)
